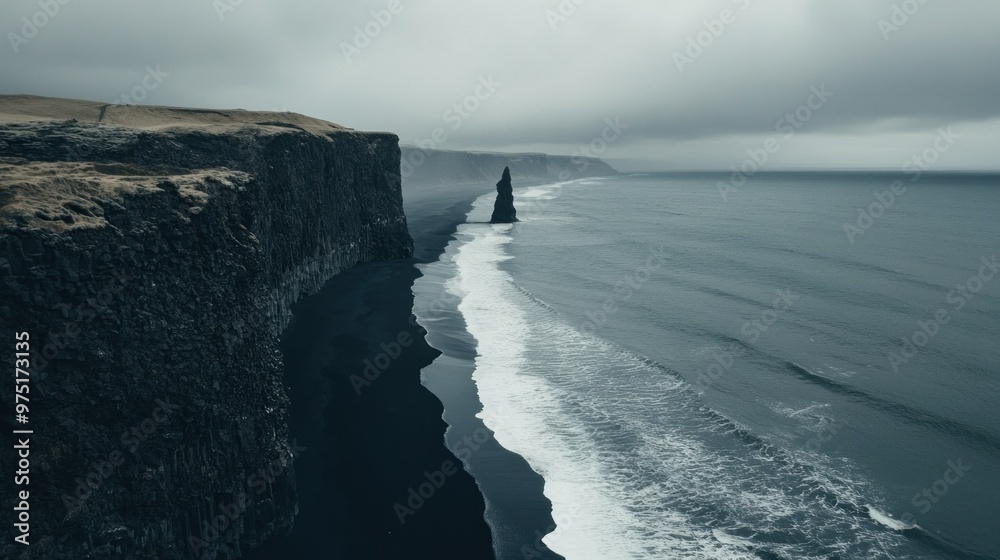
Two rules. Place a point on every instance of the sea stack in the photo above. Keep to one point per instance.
(503, 209)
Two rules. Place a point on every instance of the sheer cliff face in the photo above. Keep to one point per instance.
(154, 268)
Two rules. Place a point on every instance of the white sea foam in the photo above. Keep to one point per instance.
(842, 372)
(889, 521)
(634, 464)
(725, 538)
(593, 521)
(545, 192)
(527, 428)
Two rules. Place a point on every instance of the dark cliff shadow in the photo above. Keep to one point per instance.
(374, 439)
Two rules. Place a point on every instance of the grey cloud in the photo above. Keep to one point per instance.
(605, 59)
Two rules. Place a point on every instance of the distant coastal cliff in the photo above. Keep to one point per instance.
(153, 255)
(434, 167)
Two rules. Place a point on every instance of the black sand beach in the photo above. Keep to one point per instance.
(375, 479)
(518, 511)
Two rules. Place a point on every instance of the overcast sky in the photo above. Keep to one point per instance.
(693, 83)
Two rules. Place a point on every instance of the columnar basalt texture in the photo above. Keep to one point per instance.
(154, 263)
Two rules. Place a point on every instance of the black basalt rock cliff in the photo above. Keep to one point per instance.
(503, 208)
(153, 255)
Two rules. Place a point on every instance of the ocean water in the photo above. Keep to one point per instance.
(765, 374)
